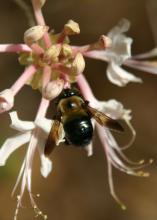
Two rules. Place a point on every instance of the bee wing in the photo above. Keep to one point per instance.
(54, 137)
(104, 120)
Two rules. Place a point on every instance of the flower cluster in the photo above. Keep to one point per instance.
(51, 65)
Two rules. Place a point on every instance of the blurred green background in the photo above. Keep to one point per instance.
(77, 189)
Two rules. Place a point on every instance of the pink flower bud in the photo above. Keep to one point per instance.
(53, 89)
(6, 100)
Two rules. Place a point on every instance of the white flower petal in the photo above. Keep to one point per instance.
(20, 125)
(46, 166)
(6, 100)
(114, 109)
(11, 144)
(121, 44)
(122, 27)
(121, 49)
(44, 124)
(119, 76)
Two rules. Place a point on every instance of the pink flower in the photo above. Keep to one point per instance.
(119, 53)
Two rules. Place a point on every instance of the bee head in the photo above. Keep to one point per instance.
(66, 93)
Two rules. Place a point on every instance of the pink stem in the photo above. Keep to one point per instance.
(37, 49)
(14, 48)
(29, 71)
(81, 49)
(40, 21)
(85, 89)
(42, 108)
(46, 76)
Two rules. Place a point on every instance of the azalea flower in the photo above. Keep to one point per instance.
(119, 53)
(114, 153)
(35, 133)
(51, 64)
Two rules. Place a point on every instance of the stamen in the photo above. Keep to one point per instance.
(111, 185)
(38, 213)
(17, 207)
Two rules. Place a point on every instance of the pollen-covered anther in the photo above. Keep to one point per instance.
(71, 28)
(78, 64)
(52, 53)
(39, 3)
(66, 50)
(143, 174)
(38, 195)
(53, 89)
(34, 34)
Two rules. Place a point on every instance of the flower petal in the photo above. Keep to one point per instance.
(122, 26)
(6, 100)
(20, 125)
(11, 144)
(44, 124)
(119, 76)
(121, 44)
(46, 166)
(114, 109)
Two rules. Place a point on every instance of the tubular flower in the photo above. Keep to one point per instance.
(52, 65)
(114, 153)
(119, 53)
(35, 133)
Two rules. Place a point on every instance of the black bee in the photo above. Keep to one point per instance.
(73, 114)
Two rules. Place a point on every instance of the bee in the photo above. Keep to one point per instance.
(73, 115)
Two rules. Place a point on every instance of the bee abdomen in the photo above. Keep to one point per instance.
(79, 131)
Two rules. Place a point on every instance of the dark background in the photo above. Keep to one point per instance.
(77, 189)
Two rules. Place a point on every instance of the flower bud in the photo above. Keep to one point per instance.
(66, 50)
(53, 52)
(6, 100)
(34, 34)
(71, 28)
(78, 64)
(53, 89)
(102, 43)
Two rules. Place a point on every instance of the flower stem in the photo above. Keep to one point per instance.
(14, 48)
(85, 89)
(40, 21)
(29, 71)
